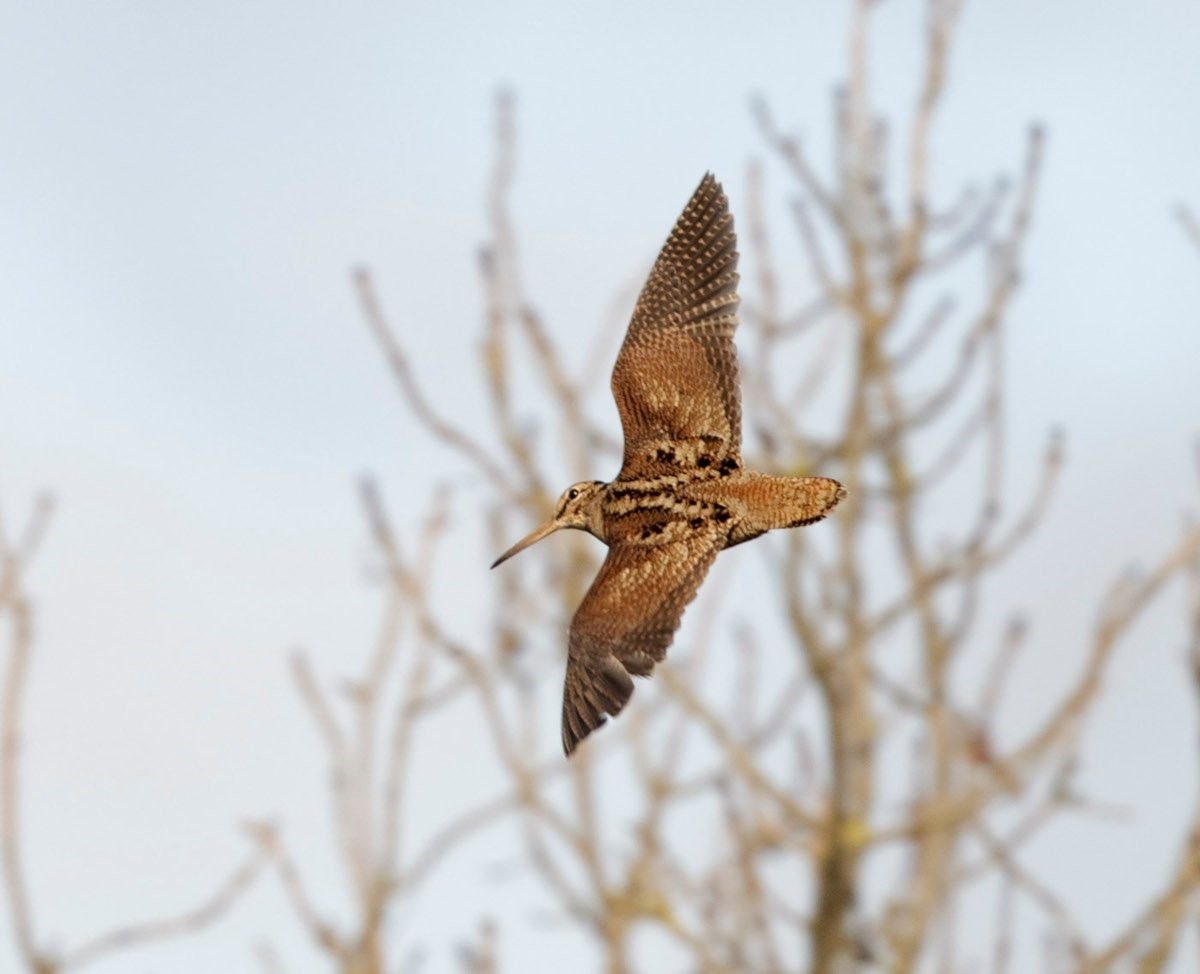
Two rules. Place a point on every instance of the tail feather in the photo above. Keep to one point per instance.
(771, 503)
(594, 686)
(808, 499)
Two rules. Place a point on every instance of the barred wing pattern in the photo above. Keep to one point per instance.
(676, 377)
(626, 622)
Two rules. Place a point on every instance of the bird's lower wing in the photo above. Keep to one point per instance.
(626, 622)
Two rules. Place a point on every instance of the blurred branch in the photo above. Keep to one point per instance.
(369, 790)
(438, 427)
(1191, 226)
(185, 923)
(36, 956)
(14, 604)
(480, 957)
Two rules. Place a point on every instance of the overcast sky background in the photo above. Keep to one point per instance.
(183, 191)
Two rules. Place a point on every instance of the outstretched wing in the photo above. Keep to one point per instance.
(676, 377)
(627, 620)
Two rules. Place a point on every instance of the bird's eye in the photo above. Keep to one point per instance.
(572, 494)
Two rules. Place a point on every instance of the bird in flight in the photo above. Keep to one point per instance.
(682, 494)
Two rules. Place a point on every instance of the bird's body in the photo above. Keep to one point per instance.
(682, 494)
(728, 503)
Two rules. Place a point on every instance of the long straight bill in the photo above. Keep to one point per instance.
(546, 529)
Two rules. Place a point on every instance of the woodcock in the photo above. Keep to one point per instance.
(682, 494)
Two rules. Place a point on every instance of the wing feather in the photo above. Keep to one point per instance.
(676, 377)
(627, 621)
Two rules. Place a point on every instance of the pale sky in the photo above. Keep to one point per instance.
(184, 189)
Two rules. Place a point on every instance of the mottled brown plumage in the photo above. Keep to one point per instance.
(682, 494)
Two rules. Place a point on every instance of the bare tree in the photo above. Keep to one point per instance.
(32, 944)
(852, 751)
(846, 754)
(368, 741)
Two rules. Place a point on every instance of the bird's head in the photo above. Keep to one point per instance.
(578, 507)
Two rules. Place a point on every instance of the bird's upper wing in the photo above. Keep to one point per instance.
(676, 377)
(628, 619)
